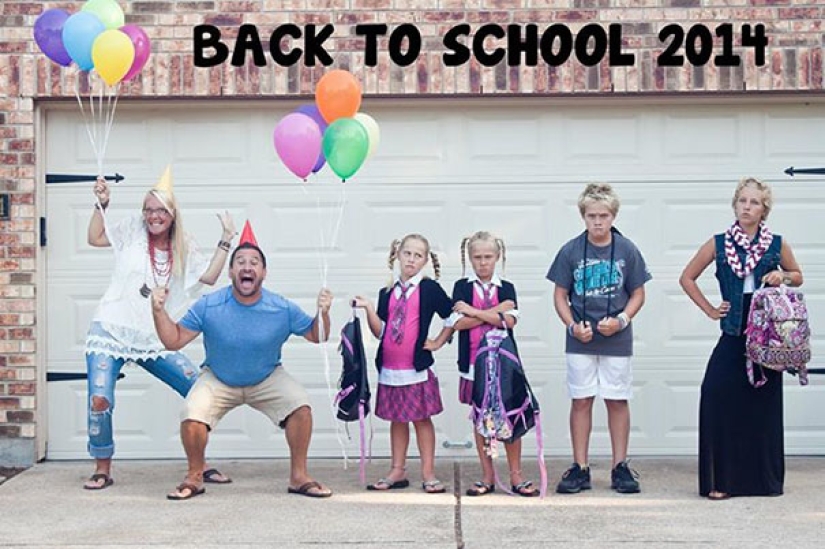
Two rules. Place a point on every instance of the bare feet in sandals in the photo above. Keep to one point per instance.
(397, 478)
(98, 481)
(521, 487)
(481, 488)
(311, 489)
(433, 486)
(186, 490)
(214, 476)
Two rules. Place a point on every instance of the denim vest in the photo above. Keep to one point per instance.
(732, 286)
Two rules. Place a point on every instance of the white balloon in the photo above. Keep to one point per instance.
(373, 132)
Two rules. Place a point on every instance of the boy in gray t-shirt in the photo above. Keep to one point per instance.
(599, 278)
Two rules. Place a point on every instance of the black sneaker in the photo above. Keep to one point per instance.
(574, 480)
(623, 479)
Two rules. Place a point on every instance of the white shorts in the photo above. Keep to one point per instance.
(609, 377)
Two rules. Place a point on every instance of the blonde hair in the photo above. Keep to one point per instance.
(177, 236)
(396, 245)
(599, 193)
(764, 188)
(482, 236)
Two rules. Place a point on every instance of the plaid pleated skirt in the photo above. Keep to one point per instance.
(409, 402)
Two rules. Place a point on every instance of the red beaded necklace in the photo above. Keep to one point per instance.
(160, 270)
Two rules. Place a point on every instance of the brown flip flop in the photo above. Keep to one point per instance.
(304, 490)
(193, 491)
(213, 476)
(107, 481)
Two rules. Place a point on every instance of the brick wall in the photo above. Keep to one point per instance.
(793, 62)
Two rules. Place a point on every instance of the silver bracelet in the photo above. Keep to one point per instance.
(624, 320)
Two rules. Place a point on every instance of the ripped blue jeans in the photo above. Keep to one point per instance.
(175, 370)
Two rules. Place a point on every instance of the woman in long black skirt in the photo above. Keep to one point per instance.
(741, 447)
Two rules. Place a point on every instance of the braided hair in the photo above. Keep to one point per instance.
(482, 236)
(395, 248)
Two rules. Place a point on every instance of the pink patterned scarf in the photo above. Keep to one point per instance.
(735, 235)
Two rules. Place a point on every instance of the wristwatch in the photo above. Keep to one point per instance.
(786, 280)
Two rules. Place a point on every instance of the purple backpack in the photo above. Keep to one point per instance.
(504, 407)
(777, 334)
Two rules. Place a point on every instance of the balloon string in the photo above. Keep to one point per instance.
(318, 251)
(111, 106)
(86, 122)
(324, 269)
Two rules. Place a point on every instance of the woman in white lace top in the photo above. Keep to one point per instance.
(151, 249)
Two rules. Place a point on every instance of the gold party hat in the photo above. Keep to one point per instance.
(164, 185)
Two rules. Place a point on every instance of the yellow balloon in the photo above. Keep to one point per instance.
(373, 132)
(113, 54)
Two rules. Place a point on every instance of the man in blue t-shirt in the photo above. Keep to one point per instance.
(244, 327)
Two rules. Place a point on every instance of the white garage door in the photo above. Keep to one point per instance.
(444, 169)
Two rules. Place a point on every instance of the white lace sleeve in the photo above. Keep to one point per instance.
(124, 232)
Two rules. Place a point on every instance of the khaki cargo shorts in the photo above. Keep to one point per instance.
(276, 397)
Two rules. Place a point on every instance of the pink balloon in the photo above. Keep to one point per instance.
(142, 49)
(298, 143)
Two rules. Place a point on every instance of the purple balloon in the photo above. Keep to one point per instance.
(48, 33)
(143, 47)
(298, 142)
(313, 112)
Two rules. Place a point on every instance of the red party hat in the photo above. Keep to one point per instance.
(247, 236)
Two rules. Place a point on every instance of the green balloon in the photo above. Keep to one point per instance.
(108, 11)
(346, 144)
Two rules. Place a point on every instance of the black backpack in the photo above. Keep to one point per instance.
(504, 407)
(352, 403)
(353, 399)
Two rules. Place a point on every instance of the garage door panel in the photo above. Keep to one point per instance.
(488, 146)
(688, 138)
(418, 140)
(691, 223)
(522, 223)
(75, 305)
(804, 431)
(794, 217)
(814, 290)
(807, 143)
(229, 143)
(596, 138)
(67, 419)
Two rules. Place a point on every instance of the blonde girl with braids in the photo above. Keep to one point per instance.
(481, 301)
(150, 250)
(408, 389)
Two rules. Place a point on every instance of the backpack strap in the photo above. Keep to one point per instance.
(540, 452)
(760, 382)
(362, 467)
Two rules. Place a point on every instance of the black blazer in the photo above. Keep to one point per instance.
(433, 299)
(463, 291)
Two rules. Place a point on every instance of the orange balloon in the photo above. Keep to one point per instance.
(338, 95)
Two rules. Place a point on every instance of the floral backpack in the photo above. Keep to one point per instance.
(503, 405)
(777, 334)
